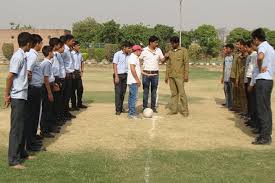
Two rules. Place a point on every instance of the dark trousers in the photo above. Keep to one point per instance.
(68, 92)
(150, 81)
(47, 119)
(120, 90)
(252, 105)
(77, 90)
(263, 100)
(228, 90)
(17, 140)
(57, 105)
(62, 97)
(32, 113)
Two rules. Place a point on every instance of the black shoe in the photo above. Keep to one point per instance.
(118, 113)
(263, 141)
(47, 135)
(39, 137)
(82, 106)
(155, 111)
(55, 130)
(74, 109)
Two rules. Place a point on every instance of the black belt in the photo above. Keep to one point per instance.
(151, 72)
(38, 87)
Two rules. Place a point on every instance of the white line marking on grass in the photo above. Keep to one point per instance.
(147, 168)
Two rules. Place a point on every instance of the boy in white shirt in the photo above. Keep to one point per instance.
(133, 80)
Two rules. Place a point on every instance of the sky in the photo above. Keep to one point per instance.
(52, 14)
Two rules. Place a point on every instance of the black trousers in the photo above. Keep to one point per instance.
(17, 140)
(77, 94)
(57, 105)
(32, 113)
(252, 105)
(68, 92)
(62, 97)
(120, 90)
(263, 100)
(47, 119)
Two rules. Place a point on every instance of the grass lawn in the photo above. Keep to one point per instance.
(106, 166)
(224, 166)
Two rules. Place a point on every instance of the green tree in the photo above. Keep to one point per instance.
(15, 26)
(164, 33)
(87, 31)
(195, 52)
(110, 33)
(207, 37)
(136, 34)
(271, 37)
(187, 38)
(238, 33)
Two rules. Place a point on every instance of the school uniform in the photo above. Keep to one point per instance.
(228, 88)
(251, 61)
(34, 97)
(47, 119)
(19, 96)
(62, 76)
(69, 69)
(57, 94)
(264, 87)
(77, 81)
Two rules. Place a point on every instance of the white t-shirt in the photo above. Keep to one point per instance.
(151, 59)
(134, 60)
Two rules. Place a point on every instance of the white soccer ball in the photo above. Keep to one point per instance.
(148, 113)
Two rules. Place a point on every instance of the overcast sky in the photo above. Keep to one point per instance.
(62, 13)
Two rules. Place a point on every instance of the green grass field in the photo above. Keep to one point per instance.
(166, 166)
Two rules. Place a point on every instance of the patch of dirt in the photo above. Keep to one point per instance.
(208, 127)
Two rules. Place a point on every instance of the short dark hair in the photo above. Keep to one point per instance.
(54, 42)
(36, 39)
(126, 44)
(249, 43)
(76, 43)
(175, 39)
(153, 39)
(242, 42)
(46, 50)
(68, 37)
(24, 38)
(259, 34)
(62, 39)
(231, 46)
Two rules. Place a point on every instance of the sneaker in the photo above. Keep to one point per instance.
(133, 117)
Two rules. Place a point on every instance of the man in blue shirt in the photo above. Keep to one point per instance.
(16, 94)
(264, 85)
(120, 75)
(34, 94)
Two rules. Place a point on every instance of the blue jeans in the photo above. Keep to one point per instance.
(148, 81)
(228, 94)
(132, 100)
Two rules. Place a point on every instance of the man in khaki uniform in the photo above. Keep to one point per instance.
(236, 97)
(240, 68)
(177, 70)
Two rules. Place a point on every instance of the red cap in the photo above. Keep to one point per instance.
(136, 48)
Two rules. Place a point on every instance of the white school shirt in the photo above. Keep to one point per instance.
(151, 59)
(18, 66)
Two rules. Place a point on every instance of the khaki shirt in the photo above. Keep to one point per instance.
(233, 74)
(240, 65)
(177, 64)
